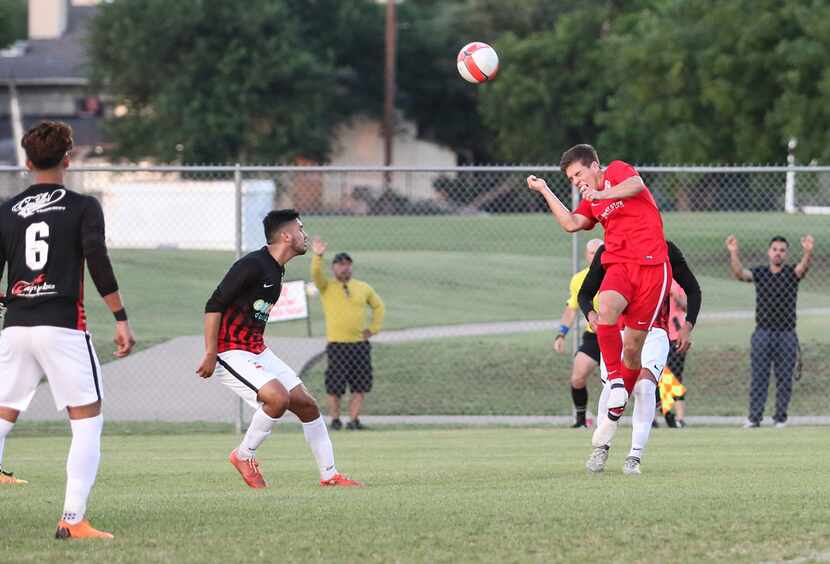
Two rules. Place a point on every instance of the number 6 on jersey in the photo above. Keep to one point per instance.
(37, 249)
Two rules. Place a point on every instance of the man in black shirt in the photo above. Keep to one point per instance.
(235, 318)
(774, 342)
(47, 233)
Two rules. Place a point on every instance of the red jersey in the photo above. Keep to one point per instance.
(633, 226)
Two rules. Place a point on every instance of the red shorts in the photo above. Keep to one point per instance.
(645, 287)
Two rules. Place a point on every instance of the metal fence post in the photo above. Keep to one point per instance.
(237, 228)
(789, 187)
(575, 267)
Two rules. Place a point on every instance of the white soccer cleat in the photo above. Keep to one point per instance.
(631, 466)
(596, 462)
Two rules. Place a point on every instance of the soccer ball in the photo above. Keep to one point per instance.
(477, 62)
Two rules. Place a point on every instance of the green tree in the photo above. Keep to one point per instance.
(263, 81)
(705, 82)
(553, 83)
(12, 21)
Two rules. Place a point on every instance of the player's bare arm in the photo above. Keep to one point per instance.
(570, 222)
(208, 365)
(566, 320)
(803, 265)
(628, 188)
(738, 269)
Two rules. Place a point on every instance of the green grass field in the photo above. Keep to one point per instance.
(473, 495)
(448, 270)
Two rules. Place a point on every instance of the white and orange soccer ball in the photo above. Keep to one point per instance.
(477, 62)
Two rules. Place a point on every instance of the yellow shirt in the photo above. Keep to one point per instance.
(345, 313)
(573, 301)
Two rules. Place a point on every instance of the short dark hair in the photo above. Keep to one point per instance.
(275, 220)
(47, 143)
(583, 153)
(779, 239)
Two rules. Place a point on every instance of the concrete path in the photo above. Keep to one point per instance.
(160, 384)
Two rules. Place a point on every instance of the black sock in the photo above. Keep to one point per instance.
(580, 399)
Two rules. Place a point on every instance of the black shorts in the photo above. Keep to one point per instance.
(676, 361)
(349, 363)
(590, 345)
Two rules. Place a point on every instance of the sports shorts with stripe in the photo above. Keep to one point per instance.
(65, 356)
(245, 373)
(644, 287)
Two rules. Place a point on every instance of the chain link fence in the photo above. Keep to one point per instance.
(473, 272)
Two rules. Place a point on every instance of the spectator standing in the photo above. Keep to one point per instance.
(348, 350)
(774, 342)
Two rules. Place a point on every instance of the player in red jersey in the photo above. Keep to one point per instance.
(235, 318)
(637, 270)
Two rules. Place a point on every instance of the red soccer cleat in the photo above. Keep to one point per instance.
(341, 480)
(249, 470)
(82, 530)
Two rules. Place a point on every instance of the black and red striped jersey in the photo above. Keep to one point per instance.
(47, 233)
(245, 297)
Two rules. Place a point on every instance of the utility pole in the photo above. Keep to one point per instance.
(789, 186)
(389, 91)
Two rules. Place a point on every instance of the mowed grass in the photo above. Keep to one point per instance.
(520, 374)
(473, 495)
(445, 270)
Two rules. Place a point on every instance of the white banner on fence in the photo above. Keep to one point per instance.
(293, 303)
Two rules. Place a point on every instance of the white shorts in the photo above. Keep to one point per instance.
(245, 373)
(654, 355)
(65, 356)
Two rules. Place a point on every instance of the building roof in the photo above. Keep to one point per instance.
(53, 61)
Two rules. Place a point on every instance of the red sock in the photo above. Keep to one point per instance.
(629, 376)
(610, 345)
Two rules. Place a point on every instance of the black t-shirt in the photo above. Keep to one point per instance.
(47, 233)
(244, 298)
(775, 297)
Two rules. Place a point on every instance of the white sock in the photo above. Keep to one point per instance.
(605, 427)
(81, 466)
(5, 429)
(258, 430)
(317, 437)
(644, 408)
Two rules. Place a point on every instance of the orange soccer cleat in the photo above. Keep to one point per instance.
(82, 530)
(9, 479)
(249, 470)
(341, 480)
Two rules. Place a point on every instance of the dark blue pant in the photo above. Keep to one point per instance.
(772, 349)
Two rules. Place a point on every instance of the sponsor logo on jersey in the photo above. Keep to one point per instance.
(610, 209)
(40, 203)
(34, 289)
(262, 310)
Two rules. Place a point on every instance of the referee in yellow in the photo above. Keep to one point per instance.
(586, 358)
(348, 350)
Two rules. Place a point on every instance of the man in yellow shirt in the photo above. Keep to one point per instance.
(349, 352)
(586, 358)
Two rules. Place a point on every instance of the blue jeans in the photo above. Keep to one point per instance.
(770, 349)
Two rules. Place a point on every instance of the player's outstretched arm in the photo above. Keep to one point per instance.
(738, 269)
(590, 287)
(694, 296)
(208, 365)
(570, 222)
(804, 264)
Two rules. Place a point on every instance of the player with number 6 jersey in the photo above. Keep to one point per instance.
(47, 234)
